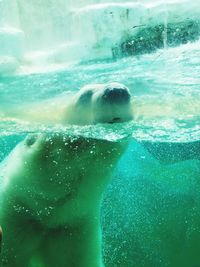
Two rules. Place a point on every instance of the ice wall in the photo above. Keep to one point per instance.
(103, 28)
(35, 34)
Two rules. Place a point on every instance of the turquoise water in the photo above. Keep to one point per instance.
(150, 213)
(164, 86)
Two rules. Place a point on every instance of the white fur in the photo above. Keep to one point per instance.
(51, 191)
(90, 110)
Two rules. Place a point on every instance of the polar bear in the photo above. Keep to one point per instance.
(52, 184)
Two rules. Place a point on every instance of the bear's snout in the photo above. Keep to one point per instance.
(116, 94)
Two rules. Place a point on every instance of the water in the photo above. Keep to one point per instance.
(145, 195)
(150, 213)
(165, 94)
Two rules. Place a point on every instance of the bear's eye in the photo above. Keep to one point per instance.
(85, 97)
(31, 139)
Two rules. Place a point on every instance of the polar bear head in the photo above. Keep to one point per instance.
(100, 103)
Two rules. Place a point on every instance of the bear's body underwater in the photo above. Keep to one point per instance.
(51, 187)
